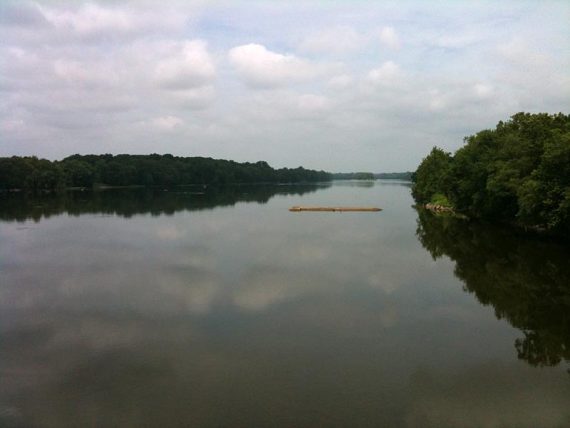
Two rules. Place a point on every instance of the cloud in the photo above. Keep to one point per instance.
(388, 73)
(519, 52)
(483, 91)
(11, 125)
(254, 82)
(80, 73)
(191, 99)
(260, 67)
(340, 39)
(166, 123)
(83, 24)
(340, 81)
(268, 107)
(90, 19)
(437, 100)
(311, 102)
(343, 39)
(185, 65)
(21, 14)
(389, 38)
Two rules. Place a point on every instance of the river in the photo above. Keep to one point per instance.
(220, 308)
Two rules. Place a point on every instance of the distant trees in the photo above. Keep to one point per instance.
(518, 172)
(32, 173)
(353, 176)
(394, 175)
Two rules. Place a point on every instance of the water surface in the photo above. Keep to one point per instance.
(219, 307)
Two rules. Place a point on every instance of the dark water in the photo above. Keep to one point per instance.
(153, 308)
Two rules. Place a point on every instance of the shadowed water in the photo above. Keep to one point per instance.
(219, 307)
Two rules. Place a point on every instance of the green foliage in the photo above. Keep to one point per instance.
(440, 199)
(432, 175)
(31, 173)
(517, 173)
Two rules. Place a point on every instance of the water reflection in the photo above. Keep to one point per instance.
(526, 281)
(129, 202)
(251, 316)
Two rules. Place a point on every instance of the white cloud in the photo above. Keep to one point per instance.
(310, 104)
(191, 99)
(482, 90)
(92, 21)
(389, 38)
(457, 41)
(260, 67)
(90, 18)
(94, 76)
(185, 65)
(277, 105)
(166, 123)
(84, 74)
(388, 73)
(11, 124)
(520, 52)
(437, 100)
(453, 98)
(21, 14)
(70, 70)
(340, 39)
(341, 81)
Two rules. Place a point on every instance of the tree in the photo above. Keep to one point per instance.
(127, 170)
(517, 173)
(432, 176)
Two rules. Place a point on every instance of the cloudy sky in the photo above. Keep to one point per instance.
(335, 85)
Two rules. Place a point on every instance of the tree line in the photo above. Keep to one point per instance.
(353, 176)
(31, 173)
(517, 173)
(394, 175)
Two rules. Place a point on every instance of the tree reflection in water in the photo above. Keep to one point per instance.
(526, 280)
(126, 202)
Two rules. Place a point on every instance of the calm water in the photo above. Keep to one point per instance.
(154, 308)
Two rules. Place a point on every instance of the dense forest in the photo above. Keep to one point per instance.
(31, 173)
(517, 173)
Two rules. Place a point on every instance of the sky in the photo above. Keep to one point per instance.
(334, 85)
